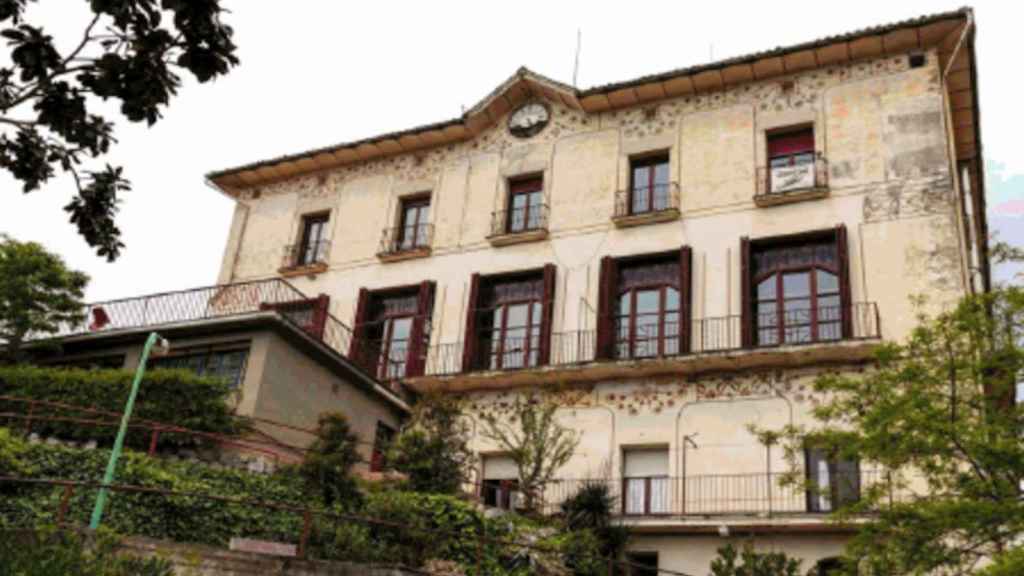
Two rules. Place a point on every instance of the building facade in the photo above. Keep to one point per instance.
(671, 259)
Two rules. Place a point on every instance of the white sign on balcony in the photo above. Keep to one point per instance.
(790, 178)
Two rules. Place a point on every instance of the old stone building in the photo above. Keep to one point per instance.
(670, 258)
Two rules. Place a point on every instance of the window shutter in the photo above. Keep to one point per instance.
(420, 335)
(548, 311)
(606, 308)
(842, 249)
(469, 344)
(357, 350)
(321, 308)
(685, 298)
(746, 317)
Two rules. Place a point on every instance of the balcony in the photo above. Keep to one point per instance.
(795, 179)
(405, 242)
(834, 334)
(721, 496)
(305, 259)
(519, 225)
(646, 205)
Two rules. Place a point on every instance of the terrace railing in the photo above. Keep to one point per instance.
(405, 239)
(303, 255)
(640, 200)
(706, 336)
(706, 495)
(520, 220)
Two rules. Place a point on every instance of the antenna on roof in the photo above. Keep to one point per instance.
(576, 64)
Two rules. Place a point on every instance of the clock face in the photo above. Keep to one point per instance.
(528, 120)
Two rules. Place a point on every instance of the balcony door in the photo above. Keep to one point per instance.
(415, 223)
(645, 482)
(313, 241)
(791, 160)
(393, 330)
(649, 184)
(525, 205)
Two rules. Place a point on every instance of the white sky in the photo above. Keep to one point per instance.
(315, 73)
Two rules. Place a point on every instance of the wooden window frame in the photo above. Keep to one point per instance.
(420, 237)
(372, 360)
(784, 132)
(748, 287)
(524, 186)
(833, 485)
(649, 161)
(780, 303)
(631, 340)
(307, 253)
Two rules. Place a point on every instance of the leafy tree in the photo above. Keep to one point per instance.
(37, 293)
(433, 450)
(328, 464)
(748, 562)
(535, 441)
(937, 416)
(132, 51)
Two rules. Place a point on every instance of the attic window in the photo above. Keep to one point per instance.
(917, 60)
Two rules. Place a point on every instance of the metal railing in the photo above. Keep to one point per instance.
(216, 302)
(640, 200)
(753, 494)
(805, 172)
(860, 321)
(403, 239)
(309, 254)
(519, 220)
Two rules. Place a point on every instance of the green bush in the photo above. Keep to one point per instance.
(176, 397)
(414, 527)
(433, 450)
(328, 464)
(61, 554)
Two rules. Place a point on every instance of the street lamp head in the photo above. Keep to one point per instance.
(162, 347)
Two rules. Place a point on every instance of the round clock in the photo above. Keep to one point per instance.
(529, 119)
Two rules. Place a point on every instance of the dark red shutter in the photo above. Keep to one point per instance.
(746, 308)
(321, 309)
(606, 308)
(358, 348)
(843, 251)
(547, 320)
(420, 336)
(469, 344)
(685, 298)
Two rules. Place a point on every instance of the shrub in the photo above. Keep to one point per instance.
(749, 562)
(433, 451)
(60, 554)
(176, 397)
(590, 509)
(329, 461)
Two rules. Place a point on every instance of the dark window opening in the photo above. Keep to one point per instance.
(415, 220)
(917, 60)
(828, 567)
(642, 563)
(797, 293)
(309, 315)
(313, 245)
(791, 160)
(500, 493)
(833, 481)
(381, 442)
(111, 362)
(647, 317)
(509, 321)
(525, 205)
(225, 365)
(649, 184)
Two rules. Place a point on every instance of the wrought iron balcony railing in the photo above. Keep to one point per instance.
(406, 239)
(754, 494)
(305, 255)
(859, 321)
(311, 315)
(647, 200)
(798, 174)
(521, 220)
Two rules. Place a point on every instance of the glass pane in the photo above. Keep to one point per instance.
(661, 175)
(659, 496)
(518, 315)
(829, 309)
(648, 301)
(766, 288)
(796, 285)
(400, 328)
(625, 304)
(641, 177)
(536, 198)
(635, 495)
(671, 299)
(827, 282)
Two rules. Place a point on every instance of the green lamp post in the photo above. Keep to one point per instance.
(108, 477)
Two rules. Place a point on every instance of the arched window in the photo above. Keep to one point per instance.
(796, 293)
(647, 318)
